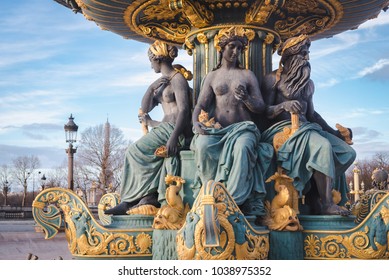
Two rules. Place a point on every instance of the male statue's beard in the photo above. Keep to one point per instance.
(297, 77)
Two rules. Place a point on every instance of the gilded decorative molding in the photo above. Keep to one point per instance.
(249, 31)
(85, 236)
(368, 240)
(261, 11)
(167, 20)
(172, 215)
(198, 15)
(220, 4)
(107, 201)
(170, 32)
(215, 229)
(362, 208)
(202, 38)
(308, 17)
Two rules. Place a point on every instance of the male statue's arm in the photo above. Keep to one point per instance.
(251, 96)
(315, 117)
(269, 92)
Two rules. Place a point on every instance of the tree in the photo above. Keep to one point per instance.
(57, 177)
(367, 166)
(100, 157)
(5, 182)
(23, 168)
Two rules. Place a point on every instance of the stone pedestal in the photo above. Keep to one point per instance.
(164, 245)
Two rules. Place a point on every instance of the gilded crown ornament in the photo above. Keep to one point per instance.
(227, 33)
(159, 48)
(293, 41)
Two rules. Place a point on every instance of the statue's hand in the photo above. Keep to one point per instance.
(159, 83)
(172, 147)
(198, 127)
(292, 106)
(241, 93)
(344, 133)
(144, 119)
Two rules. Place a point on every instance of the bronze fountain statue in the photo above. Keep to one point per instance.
(256, 181)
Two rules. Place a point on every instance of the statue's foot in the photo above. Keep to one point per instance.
(150, 199)
(335, 210)
(119, 209)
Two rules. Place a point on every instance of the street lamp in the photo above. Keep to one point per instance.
(43, 181)
(71, 137)
(5, 192)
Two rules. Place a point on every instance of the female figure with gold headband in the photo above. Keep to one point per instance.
(232, 154)
(315, 155)
(144, 171)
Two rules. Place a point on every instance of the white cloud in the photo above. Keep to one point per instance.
(336, 44)
(382, 19)
(330, 83)
(374, 68)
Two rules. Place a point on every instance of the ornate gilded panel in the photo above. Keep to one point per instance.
(55, 208)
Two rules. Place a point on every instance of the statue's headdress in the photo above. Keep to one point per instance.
(161, 50)
(289, 43)
(229, 34)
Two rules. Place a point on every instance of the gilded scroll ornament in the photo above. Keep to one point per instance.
(369, 240)
(85, 236)
(261, 10)
(309, 17)
(107, 201)
(198, 15)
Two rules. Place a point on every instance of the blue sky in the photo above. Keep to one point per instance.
(53, 63)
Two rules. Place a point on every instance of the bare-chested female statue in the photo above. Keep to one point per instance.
(144, 172)
(315, 151)
(232, 153)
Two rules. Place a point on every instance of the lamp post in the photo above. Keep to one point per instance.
(5, 192)
(43, 181)
(71, 137)
(357, 173)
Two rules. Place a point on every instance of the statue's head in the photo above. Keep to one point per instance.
(227, 35)
(162, 52)
(294, 63)
(293, 46)
(380, 178)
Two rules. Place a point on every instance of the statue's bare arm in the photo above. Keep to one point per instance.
(314, 116)
(204, 102)
(181, 94)
(251, 95)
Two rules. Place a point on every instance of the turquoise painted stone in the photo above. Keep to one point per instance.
(286, 245)
(131, 222)
(327, 222)
(164, 244)
(188, 172)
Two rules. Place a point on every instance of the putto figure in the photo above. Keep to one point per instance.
(231, 152)
(143, 180)
(315, 151)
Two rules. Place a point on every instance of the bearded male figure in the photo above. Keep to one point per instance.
(315, 156)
